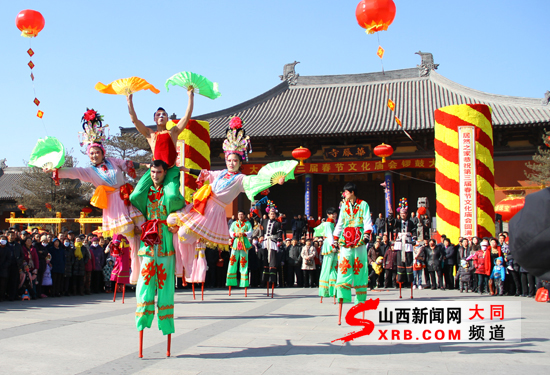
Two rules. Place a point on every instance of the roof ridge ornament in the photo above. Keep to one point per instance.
(427, 63)
(289, 74)
(3, 164)
(546, 99)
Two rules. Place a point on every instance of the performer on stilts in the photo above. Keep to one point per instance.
(157, 195)
(240, 232)
(273, 234)
(351, 235)
(404, 246)
(204, 220)
(120, 249)
(107, 175)
(329, 267)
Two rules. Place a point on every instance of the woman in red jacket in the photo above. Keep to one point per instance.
(482, 264)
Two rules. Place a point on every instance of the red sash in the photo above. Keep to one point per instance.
(150, 232)
(352, 236)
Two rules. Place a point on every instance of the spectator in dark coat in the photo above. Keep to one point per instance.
(450, 260)
(281, 263)
(294, 261)
(211, 255)
(89, 268)
(254, 264)
(42, 250)
(5, 262)
(390, 267)
(69, 262)
(97, 274)
(380, 224)
(58, 266)
(15, 265)
(81, 258)
(433, 265)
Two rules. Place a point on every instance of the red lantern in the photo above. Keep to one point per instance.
(383, 151)
(49, 207)
(22, 208)
(86, 210)
(301, 154)
(265, 192)
(510, 206)
(375, 15)
(30, 22)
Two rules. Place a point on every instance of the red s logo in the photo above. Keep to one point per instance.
(368, 326)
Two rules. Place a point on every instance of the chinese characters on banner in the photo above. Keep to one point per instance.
(309, 182)
(347, 152)
(467, 180)
(320, 200)
(351, 166)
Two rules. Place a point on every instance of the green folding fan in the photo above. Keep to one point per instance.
(201, 85)
(48, 152)
(268, 176)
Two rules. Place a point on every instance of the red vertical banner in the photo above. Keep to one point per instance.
(320, 200)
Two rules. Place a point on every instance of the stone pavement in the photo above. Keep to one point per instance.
(290, 333)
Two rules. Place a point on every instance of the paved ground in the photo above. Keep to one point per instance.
(235, 335)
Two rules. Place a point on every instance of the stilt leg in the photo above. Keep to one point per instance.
(183, 281)
(168, 345)
(123, 292)
(272, 289)
(268, 288)
(229, 290)
(411, 292)
(335, 298)
(141, 344)
(400, 290)
(321, 300)
(114, 295)
(340, 311)
(193, 287)
(245, 292)
(202, 291)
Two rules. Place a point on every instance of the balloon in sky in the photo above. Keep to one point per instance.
(30, 22)
(375, 15)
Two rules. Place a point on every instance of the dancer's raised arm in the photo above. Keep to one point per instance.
(185, 119)
(140, 126)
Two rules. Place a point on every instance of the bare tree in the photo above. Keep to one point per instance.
(540, 169)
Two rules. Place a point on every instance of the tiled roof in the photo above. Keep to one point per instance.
(12, 182)
(323, 106)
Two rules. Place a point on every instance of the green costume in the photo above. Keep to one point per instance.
(157, 264)
(239, 253)
(354, 221)
(327, 279)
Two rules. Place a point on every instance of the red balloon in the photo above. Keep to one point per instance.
(30, 22)
(509, 206)
(375, 15)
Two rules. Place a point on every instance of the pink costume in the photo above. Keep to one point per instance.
(117, 217)
(209, 229)
(121, 251)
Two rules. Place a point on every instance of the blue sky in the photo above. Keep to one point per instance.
(500, 47)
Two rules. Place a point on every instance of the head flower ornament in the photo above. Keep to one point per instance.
(94, 130)
(236, 141)
(403, 205)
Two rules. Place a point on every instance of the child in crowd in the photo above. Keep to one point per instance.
(47, 278)
(26, 281)
(418, 265)
(107, 270)
(498, 276)
(464, 275)
(377, 268)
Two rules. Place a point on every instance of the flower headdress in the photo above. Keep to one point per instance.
(94, 130)
(236, 141)
(403, 205)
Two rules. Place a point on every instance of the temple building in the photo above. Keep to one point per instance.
(342, 118)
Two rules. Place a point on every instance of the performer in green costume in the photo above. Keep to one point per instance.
(327, 279)
(351, 234)
(156, 196)
(240, 231)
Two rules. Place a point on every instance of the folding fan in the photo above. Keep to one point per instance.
(201, 85)
(268, 176)
(48, 152)
(126, 86)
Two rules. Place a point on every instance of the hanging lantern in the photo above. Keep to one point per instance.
(510, 206)
(30, 22)
(383, 151)
(49, 207)
(86, 211)
(22, 208)
(375, 15)
(301, 154)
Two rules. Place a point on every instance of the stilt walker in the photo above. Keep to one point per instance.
(156, 196)
(204, 220)
(329, 267)
(404, 246)
(240, 232)
(351, 233)
(273, 234)
(120, 249)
